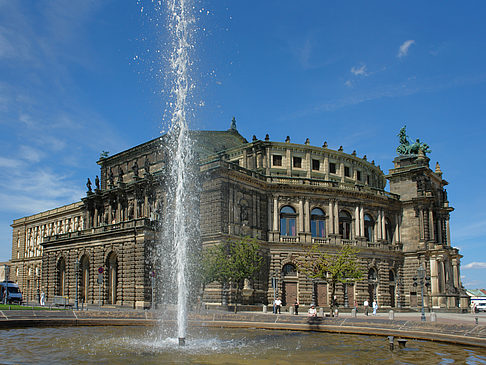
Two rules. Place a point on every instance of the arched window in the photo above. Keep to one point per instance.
(112, 265)
(369, 225)
(84, 285)
(289, 270)
(391, 276)
(287, 221)
(345, 225)
(318, 223)
(388, 231)
(61, 277)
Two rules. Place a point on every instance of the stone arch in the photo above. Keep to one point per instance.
(345, 219)
(112, 274)
(84, 271)
(61, 276)
(318, 219)
(288, 220)
(369, 226)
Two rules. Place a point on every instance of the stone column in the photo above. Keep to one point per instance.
(448, 232)
(357, 221)
(379, 233)
(244, 164)
(361, 221)
(383, 226)
(421, 224)
(288, 157)
(455, 272)
(301, 215)
(275, 214)
(331, 218)
(336, 217)
(307, 216)
(431, 226)
(326, 167)
(397, 229)
(95, 219)
(439, 229)
(308, 163)
(434, 281)
(146, 207)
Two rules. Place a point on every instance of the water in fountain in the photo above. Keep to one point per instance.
(180, 211)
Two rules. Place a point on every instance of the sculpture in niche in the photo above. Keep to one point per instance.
(135, 168)
(111, 177)
(146, 165)
(244, 214)
(120, 174)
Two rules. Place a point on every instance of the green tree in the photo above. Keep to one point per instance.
(232, 262)
(341, 267)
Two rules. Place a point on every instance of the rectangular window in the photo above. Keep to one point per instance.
(368, 179)
(277, 160)
(316, 165)
(358, 175)
(347, 171)
(332, 167)
(298, 162)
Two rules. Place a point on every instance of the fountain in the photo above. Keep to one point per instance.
(178, 215)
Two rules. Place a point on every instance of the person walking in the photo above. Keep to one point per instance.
(296, 307)
(366, 306)
(278, 305)
(43, 299)
(375, 307)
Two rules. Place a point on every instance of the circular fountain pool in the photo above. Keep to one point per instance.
(139, 345)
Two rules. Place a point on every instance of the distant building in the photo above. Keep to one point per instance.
(284, 194)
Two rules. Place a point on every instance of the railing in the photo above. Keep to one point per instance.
(141, 222)
(321, 241)
(289, 180)
(289, 239)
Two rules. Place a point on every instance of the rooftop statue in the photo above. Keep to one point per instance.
(405, 148)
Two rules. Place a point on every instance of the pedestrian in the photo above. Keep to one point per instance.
(366, 306)
(43, 298)
(296, 307)
(473, 307)
(375, 307)
(277, 304)
(312, 311)
(356, 306)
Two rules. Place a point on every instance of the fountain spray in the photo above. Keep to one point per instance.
(179, 196)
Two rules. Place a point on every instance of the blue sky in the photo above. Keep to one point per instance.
(80, 77)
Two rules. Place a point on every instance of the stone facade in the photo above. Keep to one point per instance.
(287, 196)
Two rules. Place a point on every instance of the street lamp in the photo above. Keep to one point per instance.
(76, 267)
(423, 281)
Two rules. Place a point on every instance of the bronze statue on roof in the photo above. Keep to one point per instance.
(405, 148)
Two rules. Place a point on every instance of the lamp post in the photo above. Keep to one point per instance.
(76, 267)
(274, 286)
(423, 281)
(6, 272)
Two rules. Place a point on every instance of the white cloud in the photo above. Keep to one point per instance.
(359, 71)
(475, 265)
(30, 154)
(9, 163)
(348, 83)
(403, 50)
